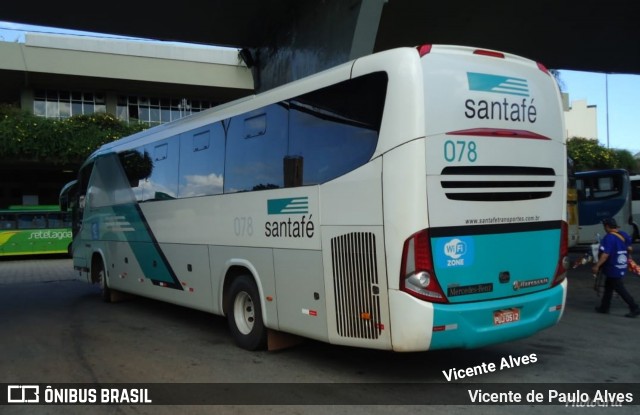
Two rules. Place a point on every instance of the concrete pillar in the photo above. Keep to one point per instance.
(26, 99)
(111, 102)
(366, 30)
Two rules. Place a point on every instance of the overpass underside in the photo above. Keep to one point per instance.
(288, 39)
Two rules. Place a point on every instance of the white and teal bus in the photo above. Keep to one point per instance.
(409, 200)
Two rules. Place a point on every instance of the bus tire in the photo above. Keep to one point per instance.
(101, 274)
(244, 314)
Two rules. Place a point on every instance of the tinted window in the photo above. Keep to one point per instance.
(307, 140)
(110, 184)
(138, 166)
(202, 161)
(55, 220)
(635, 189)
(327, 148)
(606, 187)
(32, 221)
(7, 222)
(335, 130)
(163, 182)
(256, 148)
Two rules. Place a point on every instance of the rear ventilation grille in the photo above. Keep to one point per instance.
(525, 183)
(499, 170)
(355, 278)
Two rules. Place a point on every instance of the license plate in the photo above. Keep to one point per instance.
(506, 316)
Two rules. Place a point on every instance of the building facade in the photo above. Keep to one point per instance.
(581, 119)
(59, 76)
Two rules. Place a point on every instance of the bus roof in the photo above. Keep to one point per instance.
(394, 60)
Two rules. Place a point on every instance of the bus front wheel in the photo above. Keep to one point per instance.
(101, 275)
(244, 314)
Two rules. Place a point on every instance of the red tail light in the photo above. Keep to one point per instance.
(543, 68)
(500, 132)
(423, 50)
(563, 259)
(417, 276)
(491, 53)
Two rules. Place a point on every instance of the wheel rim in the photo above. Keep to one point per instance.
(103, 283)
(244, 313)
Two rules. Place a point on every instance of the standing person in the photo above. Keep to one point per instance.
(615, 249)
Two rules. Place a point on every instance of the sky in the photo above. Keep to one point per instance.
(621, 103)
(14, 32)
(616, 96)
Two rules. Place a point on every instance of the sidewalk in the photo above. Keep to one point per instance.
(36, 269)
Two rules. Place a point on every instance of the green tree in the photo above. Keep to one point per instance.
(625, 160)
(25, 137)
(589, 154)
(557, 75)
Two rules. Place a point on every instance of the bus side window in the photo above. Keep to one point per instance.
(137, 166)
(335, 130)
(162, 184)
(256, 146)
(54, 220)
(40, 222)
(30, 221)
(7, 222)
(202, 161)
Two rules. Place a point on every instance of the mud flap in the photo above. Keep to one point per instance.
(277, 340)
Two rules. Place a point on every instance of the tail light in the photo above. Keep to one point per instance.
(423, 50)
(563, 259)
(417, 276)
(491, 53)
(543, 68)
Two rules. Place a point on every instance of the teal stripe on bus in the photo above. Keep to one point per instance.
(476, 267)
(143, 243)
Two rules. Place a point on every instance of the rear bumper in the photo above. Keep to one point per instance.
(471, 325)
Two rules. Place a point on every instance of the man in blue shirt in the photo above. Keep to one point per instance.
(615, 249)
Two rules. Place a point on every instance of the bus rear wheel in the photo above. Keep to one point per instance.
(244, 314)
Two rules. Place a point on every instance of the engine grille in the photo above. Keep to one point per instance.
(356, 289)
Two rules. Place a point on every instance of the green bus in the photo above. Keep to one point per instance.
(34, 230)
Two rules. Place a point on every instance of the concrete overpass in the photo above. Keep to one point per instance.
(149, 68)
(288, 39)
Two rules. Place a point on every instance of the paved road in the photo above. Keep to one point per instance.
(55, 329)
